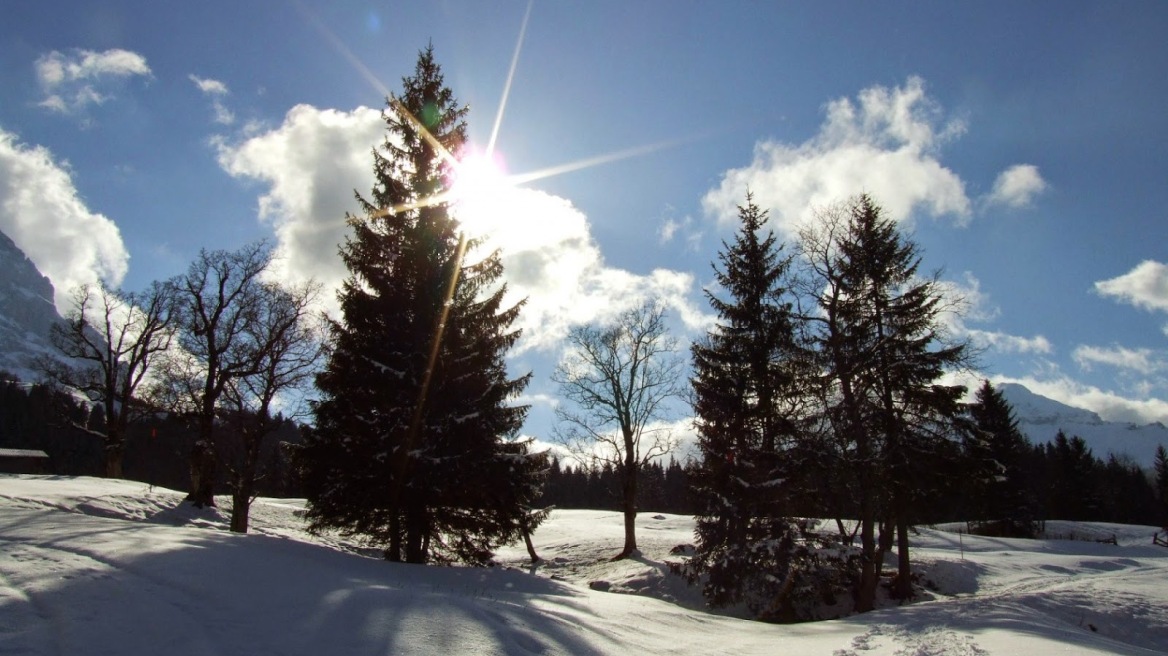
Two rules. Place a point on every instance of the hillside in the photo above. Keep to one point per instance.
(1041, 418)
(113, 567)
(26, 311)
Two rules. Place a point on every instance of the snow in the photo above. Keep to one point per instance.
(115, 567)
(1040, 419)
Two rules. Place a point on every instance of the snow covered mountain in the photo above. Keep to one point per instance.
(1041, 419)
(26, 311)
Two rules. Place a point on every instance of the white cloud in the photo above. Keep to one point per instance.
(316, 158)
(668, 229)
(209, 86)
(970, 304)
(1006, 343)
(1108, 405)
(216, 90)
(70, 81)
(671, 228)
(42, 212)
(1145, 286)
(1017, 186)
(885, 144)
(311, 164)
(1144, 361)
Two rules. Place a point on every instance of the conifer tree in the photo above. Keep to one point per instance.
(1161, 465)
(747, 407)
(411, 444)
(997, 450)
(880, 343)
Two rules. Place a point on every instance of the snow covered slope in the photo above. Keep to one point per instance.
(26, 311)
(112, 567)
(1041, 419)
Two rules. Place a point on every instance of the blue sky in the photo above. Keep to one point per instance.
(1023, 145)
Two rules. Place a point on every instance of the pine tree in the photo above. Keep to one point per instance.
(1162, 483)
(745, 400)
(1074, 471)
(998, 451)
(880, 343)
(411, 444)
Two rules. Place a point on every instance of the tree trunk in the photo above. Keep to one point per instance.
(629, 504)
(202, 475)
(530, 547)
(394, 552)
(244, 478)
(869, 575)
(203, 462)
(115, 447)
(903, 588)
(415, 534)
(240, 509)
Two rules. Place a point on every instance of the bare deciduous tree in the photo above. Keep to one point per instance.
(219, 299)
(109, 340)
(289, 345)
(618, 380)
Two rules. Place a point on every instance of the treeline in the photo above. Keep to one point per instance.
(1024, 485)
(157, 449)
(661, 488)
(1060, 479)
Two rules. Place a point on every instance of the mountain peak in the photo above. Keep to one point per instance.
(1041, 418)
(26, 311)
(1040, 409)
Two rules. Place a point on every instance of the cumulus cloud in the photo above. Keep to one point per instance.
(312, 163)
(1017, 186)
(216, 90)
(42, 212)
(672, 229)
(886, 143)
(1145, 286)
(1108, 405)
(71, 81)
(969, 303)
(1144, 361)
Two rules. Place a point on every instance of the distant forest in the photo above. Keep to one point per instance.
(1062, 479)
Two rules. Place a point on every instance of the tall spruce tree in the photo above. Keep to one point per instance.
(1000, 499)
(1161, 467)
(882, 352)
(411, 443)
(746, 402)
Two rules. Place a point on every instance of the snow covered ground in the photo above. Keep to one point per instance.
(89, 566)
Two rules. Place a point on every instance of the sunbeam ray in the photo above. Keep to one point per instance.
(597, 160)
(510, 79)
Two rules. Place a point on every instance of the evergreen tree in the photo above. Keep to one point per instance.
(746, 402)
(997, 451)
(1073, 475)
(1161, 465)
(411, 447)
(882, 350)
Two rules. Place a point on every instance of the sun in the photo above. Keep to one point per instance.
(479, 191)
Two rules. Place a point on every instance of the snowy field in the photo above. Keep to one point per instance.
(89, 566)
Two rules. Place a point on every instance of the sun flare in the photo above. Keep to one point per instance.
(478, 192)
